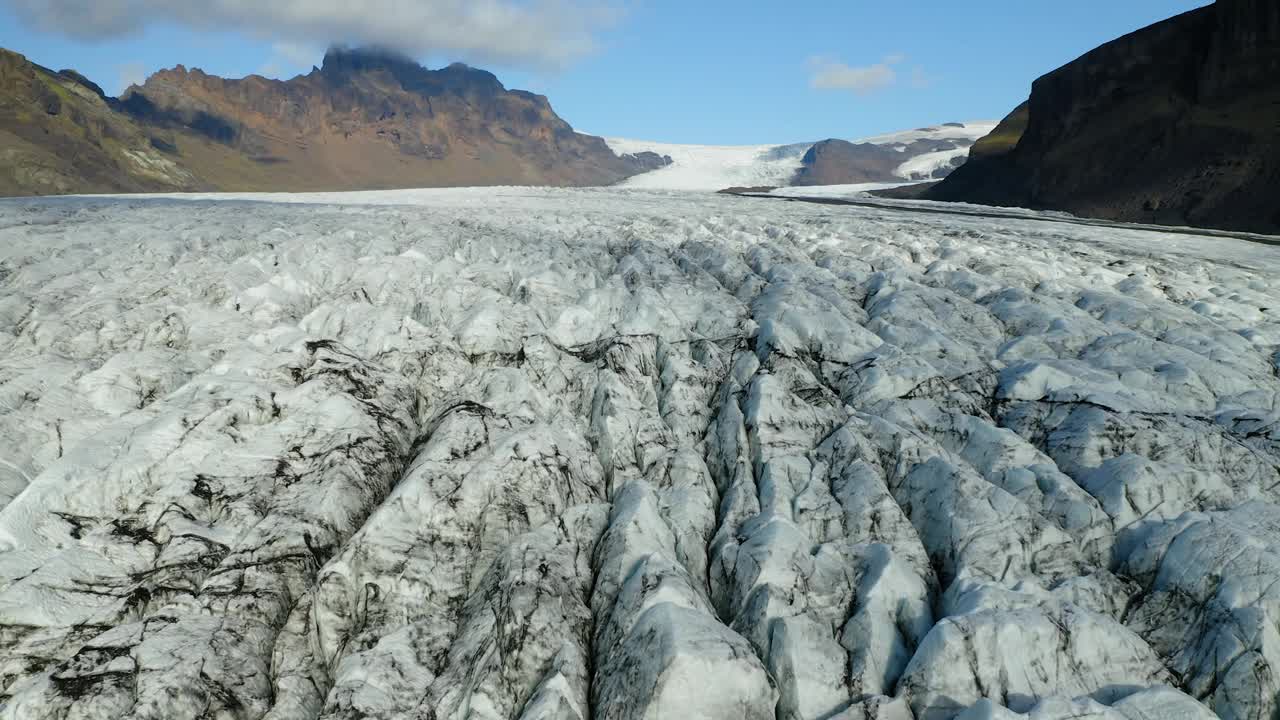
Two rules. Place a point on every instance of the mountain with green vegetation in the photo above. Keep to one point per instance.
(59, 133)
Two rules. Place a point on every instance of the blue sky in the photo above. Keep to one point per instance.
(710, 71)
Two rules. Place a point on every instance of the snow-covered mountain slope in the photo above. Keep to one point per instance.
(716, 167)
(972, 132)
(926, 166)
(624, 455)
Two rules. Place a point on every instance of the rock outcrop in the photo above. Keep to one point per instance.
(840, 162)
(1173, 124)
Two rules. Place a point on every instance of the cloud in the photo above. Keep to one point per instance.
(830, 74)
(546, 34)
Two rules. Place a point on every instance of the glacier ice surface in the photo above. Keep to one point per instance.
(571, 454)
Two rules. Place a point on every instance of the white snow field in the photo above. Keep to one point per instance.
(972, 131)
(856, 191)
(522, 454)
(716, 167)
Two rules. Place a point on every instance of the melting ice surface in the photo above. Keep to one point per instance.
(613, 454)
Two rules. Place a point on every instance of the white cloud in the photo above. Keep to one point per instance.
(535, 33)
(830, 74)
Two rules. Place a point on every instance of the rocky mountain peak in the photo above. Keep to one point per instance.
(340, 60)
(343, 64)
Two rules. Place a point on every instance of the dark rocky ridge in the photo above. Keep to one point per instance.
(1178, 123)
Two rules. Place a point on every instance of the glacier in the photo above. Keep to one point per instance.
(535, 454)
(717, 167)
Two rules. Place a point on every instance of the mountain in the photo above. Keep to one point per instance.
(910, 156)
(59, 133)
(366, 119)
(370, 119)
(919, 155)
(840, 162)
(1178, 123)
